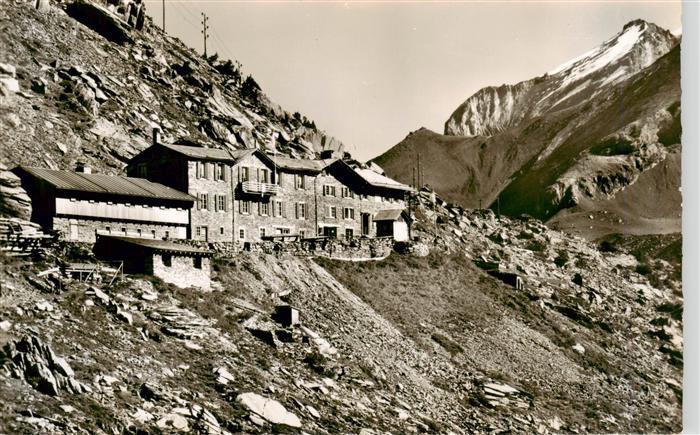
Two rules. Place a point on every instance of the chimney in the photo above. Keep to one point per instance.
(156, 135)
(83, 168)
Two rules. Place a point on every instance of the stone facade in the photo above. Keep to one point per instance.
(182, 271)
(243, 197)
(86, 230)
(211, 218)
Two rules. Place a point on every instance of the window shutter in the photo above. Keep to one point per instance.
(216, 205)
(296, 210)
(225, 204)
(239, 170)
(258, 174)
(240, 206)
(274, 208)
(209, 202)
(196, 169)
(260, 208)
(226, 170)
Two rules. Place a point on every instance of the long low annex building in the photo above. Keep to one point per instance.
(81, 205)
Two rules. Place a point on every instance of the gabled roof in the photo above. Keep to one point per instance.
(202, 153)
(388, 215)
(301, 165)
(379, 180)
(212, 154)
(105, 184)
(159, 245)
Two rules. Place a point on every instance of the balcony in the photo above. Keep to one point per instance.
(259, 188)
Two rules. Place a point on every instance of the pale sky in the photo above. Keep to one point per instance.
(369, 73)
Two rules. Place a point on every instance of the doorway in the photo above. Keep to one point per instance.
(365, 224)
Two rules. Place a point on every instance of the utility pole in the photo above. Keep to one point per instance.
(163, 16)
(419, 184)
(205, 27)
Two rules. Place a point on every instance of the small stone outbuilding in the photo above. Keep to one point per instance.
(175, 263)
(392, 223)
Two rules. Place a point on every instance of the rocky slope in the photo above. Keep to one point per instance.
(77, 94)
(563, 146)
(406, 344)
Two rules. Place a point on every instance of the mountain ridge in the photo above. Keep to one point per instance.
(541, 155)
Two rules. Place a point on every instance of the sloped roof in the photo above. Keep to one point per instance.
(379, 180)
(159, 245)
(388, 215)
(106, 184)
(301, 164)
(201, 153)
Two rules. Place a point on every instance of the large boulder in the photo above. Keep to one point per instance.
(14, 201)
(269, 409)
(100, 20)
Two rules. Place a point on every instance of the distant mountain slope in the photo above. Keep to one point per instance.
(545, 149)
(85, 97)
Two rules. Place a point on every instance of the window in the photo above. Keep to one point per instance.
(201, 233)
(241, 233)
(198, 262)
(348, 213)
(138, 231)
(108, 230)
(280, 208)
(201, 170)
(264, 208)
(153, 233)
(221, 230)
(278, 178)
(167, 234)
(167, 260)
(332, 212)
(299, 181)
(302, 234)
(345, 192)
(202, 201)
(262, 232)
(300, 210)
(283, 230)
(220, 172)
(328, 190)
(220, 202)
(245, 207)
(245, 173)
(348, 233)
(264, 176)
(124, 230)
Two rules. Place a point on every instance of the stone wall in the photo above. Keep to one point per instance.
(182, 271)
(87, 229)
(218, 223)
(355, 249)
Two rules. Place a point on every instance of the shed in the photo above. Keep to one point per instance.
(287, 315)
(392, 223)
(174, 263)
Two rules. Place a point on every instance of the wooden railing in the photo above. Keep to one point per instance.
(261, 188)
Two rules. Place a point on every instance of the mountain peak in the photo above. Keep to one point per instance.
(492, 110)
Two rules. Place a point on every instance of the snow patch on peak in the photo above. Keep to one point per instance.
(611, 51)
